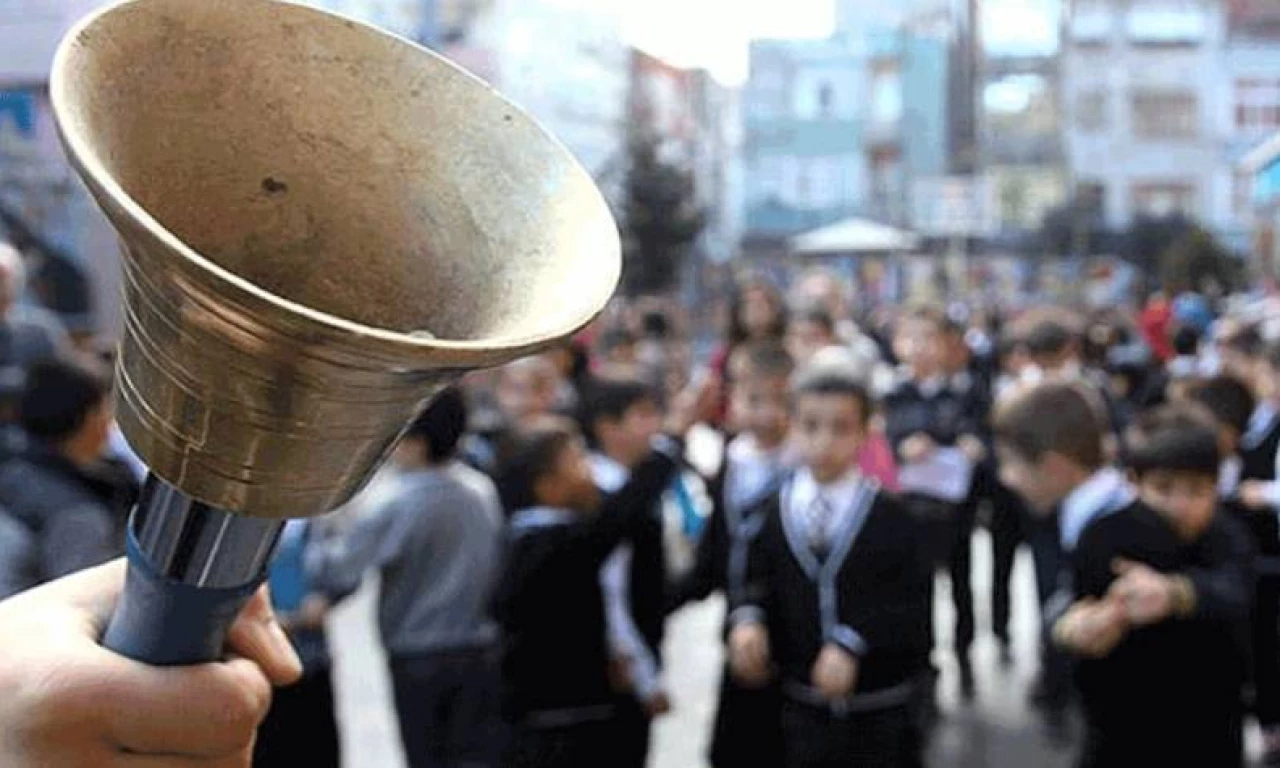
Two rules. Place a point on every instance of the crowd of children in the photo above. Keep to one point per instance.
(541, 523)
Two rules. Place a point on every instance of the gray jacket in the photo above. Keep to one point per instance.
(59, 518)
(435, 542)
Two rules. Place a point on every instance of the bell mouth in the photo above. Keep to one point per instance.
(337, 171)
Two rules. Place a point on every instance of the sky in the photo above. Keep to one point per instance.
(714, 33)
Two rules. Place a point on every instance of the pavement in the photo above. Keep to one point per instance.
(997, 730)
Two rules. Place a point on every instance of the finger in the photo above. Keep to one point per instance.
(1120, 566)
(91, 593)
(258, 636)
(205, 711)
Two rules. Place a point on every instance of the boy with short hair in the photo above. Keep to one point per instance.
(837, 600)
(756, 461)
(1198, 607)
(1050, 441)
(621, 416)
(559, 699)
(936, 429)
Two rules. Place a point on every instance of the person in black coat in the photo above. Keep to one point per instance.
(1141, 704)
(837, 599)
(928, 414)
(746, 730)
(1245, 356)
(559, 693)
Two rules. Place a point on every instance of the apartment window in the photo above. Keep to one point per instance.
(1091, 110)
(1166, 115)
(1161, 199)
(826, 99)
(1258, 104)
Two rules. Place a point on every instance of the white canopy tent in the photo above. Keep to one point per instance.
(854, 236)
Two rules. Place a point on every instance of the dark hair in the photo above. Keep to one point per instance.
(1247, 341)
(442, 425)
(527, 456)
(831, 380)
(1049, 338)
(58, 396)
(1186, 340)
(656, 324)
(610, 399)
(737, 331)
(1173, 439)
(1053, 418)
(1228, 400)
(769, 358)
(818, 316)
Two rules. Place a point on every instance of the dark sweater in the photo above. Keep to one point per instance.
(550, 607)
(1168, 693)
(882, 592)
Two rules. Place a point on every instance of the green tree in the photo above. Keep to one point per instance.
(661, 220)
(1198, 262)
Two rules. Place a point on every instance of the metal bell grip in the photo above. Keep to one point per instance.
(192, 567)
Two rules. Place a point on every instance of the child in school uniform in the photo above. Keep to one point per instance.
(936, 430)
(1198, 608)
(757, 460)
(1245, 355)
(836, 606)
(559, 698)
(1129, 677)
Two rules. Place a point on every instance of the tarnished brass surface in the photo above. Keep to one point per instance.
(322, 225)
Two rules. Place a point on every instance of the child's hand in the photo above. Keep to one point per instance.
(1146, 595)
(698, 402)
(749, 654)
(310, 615)
(917, 447)
(658, 705)
(835, 673)
(973, 449)
(1253, 494)
(1092, 628)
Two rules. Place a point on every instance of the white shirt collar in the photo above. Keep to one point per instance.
(840, 494)
(1102, 494)
(609, 475)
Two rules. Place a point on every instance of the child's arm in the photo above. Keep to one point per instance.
(749, 651)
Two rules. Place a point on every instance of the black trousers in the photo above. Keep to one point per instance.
(1007, 515)
(1266, 650)
(949, 539)
(631, 729)
(748, 726)
(301, 728)
(816, 738)
(447, 704)
(575, 746)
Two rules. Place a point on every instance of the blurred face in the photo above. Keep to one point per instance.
(760, 408)
(1184, 499)
(759, 312)
(806, 338)
(919, 344)
(1042, 484)
(829, 432)
(821, 291)
(527, 389)
(628, 439)
(570, 485)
